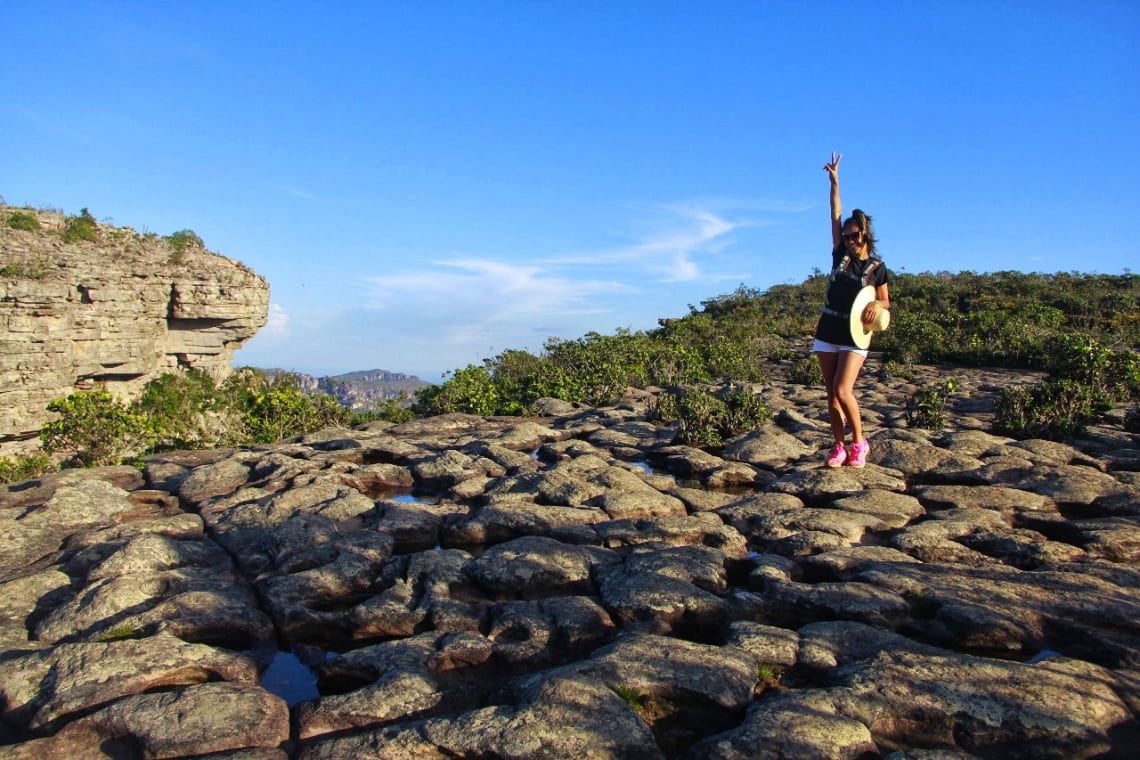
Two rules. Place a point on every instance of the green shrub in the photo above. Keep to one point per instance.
(469, 390)
(806, 371)
(782, 353)
(895, 369)
(26, 467)
(1055, 409)
(924, 409)
(184, 239)
(395, 410)
(602, 366)
(176, 406)
(23, 220)
(280, 410)
(96, 428)
(82, 227)
(705, 418)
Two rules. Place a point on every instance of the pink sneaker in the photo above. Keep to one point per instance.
(859, 452)
(838, 455)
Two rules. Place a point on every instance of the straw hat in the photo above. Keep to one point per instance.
(860, 332)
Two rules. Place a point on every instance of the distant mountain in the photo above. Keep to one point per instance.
(362, 390)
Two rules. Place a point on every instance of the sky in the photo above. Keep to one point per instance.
(428, 183)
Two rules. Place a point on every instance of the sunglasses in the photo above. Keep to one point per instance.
(852, 235)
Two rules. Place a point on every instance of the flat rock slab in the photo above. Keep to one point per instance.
(580, 585)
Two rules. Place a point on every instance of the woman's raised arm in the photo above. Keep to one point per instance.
(832, 169)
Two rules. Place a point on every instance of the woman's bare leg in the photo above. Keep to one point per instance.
(847, 369)
(828, 364)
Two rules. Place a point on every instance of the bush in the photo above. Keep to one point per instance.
(82, 227)
(924, 409)
(469, 390)
(184, 239)
(273, 411)
(95, 428)
(23, 220)
(806, 371)
(602, 366)
(1056, 408)
(706, 418)
(17, 469)
(176, 406)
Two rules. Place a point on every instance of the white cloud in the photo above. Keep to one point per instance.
(472, 301)
(277, 325)
(671, 251)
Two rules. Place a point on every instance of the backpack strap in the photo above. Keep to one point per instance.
(870, 268)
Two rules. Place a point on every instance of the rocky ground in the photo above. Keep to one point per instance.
(576, 586)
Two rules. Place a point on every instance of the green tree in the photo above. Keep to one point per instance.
(95, 428)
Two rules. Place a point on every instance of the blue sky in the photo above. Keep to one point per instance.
(428, 183)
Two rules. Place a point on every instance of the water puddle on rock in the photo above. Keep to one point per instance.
(414, 498)
(291, 678)
(649, 469)
(403, 496)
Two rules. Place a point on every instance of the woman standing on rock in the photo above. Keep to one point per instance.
(855, 264)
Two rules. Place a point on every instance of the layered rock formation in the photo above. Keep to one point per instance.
(580, 586)
(111, 314)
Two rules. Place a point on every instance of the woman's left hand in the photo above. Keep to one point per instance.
(871, 312)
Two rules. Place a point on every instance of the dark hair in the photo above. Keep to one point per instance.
(863, 221)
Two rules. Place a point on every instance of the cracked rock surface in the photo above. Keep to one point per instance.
(580, 585)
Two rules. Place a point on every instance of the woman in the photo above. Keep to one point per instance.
(854, 265)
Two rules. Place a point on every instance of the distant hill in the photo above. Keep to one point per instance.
(362, 390)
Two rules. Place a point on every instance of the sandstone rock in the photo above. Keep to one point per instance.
(194, 720)
(768, 447)
(1003, 609)
(826, 484)
(558, 717)
(43, 688)
(534, 567)
(119, 312)
(768, 644)
(791, 724)
(547, 632)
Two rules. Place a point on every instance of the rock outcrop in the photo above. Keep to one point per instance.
(110, 314)
(579, 586)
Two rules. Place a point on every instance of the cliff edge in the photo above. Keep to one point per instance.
(110, 313)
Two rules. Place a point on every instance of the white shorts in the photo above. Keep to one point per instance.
(823, 347)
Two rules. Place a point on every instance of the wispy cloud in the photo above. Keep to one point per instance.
(471, 300)
(277, 325)
(681, 234)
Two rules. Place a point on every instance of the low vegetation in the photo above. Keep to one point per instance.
(23, 220)
(188, 410)
(81, 227)
(1082, 330)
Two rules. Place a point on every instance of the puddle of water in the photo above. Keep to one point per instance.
(290, 678)
(649, 469)
(412, 498)
(1044, 654)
